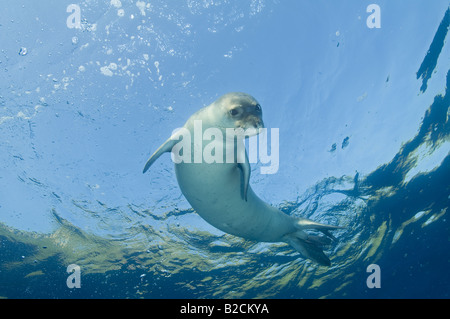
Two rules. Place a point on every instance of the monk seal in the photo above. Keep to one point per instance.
(220, 192)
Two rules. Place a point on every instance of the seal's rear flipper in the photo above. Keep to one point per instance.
(303, 224)
(310, 246)
(309, 249)
(166, 147)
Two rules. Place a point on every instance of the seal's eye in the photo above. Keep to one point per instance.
(233, 112)
(258, 107)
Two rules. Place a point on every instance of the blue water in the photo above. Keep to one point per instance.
(363, 118)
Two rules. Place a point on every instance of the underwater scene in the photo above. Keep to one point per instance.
(357, 93)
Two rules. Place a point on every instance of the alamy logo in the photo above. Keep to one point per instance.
(374, 19)
(74, 280)
(74, 19)
(374, 279)
(211, 146)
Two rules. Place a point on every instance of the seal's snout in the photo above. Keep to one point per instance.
(260, 124)
(257, 123)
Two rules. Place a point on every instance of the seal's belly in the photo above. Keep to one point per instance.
(214, 191)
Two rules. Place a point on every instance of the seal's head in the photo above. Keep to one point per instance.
(240, 111)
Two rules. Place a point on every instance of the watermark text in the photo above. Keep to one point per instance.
(211, 146)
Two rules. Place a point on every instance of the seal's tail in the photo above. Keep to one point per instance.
(311, 246)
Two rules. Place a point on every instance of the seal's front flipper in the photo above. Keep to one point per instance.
(309, 248)
(244, 166)
(166, 147)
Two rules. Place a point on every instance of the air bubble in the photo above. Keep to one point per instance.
(23, 51)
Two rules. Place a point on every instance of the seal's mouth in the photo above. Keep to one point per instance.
(255, 122)
(247, 132)
(250, 123)
(261, 125)
(257, 126)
